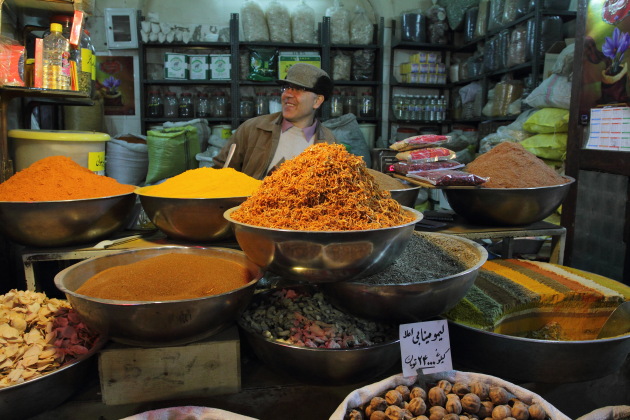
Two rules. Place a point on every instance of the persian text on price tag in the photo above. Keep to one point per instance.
(425, 347)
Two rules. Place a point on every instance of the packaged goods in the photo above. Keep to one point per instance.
(405, 168)
(361, 29)
(339, 23)
(263, 64)
(254, 22)
(220, 66)
(12, 60)
(175, 66)
(430, 154)
(198, 66)
(303, 24)
(419, 142)
(448, 177)
(278, 22)
(56, 67)
(548, 120)
(363, 65)
(341, 65)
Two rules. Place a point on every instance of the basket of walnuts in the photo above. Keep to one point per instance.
(445, 396)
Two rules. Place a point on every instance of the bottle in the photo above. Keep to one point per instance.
(202, 106)
(155, 106)
(186, 105)
(56, 60)
(336, 104)
(261, 104)
(88, 64)
(66, 22)
(171, 105)
(366, 107)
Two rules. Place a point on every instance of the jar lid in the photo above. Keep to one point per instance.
(63, 135)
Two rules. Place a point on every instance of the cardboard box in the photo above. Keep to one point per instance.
(137, 374)
(175, 66)
(289, 58)
(198, 66)
(220, 66)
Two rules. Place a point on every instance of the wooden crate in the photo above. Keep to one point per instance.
(136, 374)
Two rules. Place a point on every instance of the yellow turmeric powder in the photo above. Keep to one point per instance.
(204, 183)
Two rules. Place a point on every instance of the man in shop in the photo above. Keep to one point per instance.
(264, 142)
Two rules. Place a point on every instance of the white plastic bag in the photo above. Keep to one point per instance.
(254, 22)
(303, 24)
(339, 23)
(361, 29)
(278, 22)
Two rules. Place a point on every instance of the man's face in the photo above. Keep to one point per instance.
(299, 105)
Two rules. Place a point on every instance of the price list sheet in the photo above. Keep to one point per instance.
(610, 129)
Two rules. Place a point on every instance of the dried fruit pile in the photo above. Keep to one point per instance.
(447, 401)
(37, 336)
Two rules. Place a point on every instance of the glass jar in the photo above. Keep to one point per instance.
(155, 106)
(336, 104)
(202, 106)
(366, 106)
(275, 104)
(186, 105)
(171, 105)
(349, 103)
(246, 107)
(219, 105)
(261, 104)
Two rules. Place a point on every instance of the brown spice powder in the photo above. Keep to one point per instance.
(167, 277)
(510, 165)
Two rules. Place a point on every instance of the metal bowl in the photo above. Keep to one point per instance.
(322, 256)
(47, 392)
(190, 219)
(64, 223)
(406, 197)
(529, 360)
(166, 323)
(410, 302)
(507, 206)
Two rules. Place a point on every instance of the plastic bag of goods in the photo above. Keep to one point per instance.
(127, 159)
(449, 177)
(361, 29)
(12, 58)
(341, 65)
(420, 142)
(431, 154)
(339, 23)
(481, 26)
(254, 22)
(278, 21)
(438, 26)
(518, 48)
(263, 64)
(363, 65)
(495, 14)
(303, 24)
(553, 92)
(470, 20)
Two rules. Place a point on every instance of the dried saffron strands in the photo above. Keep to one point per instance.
(323, 188)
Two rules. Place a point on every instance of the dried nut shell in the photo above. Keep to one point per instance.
(394, 397)
(417, 406)
(463, 417)
(393, 412)
(421, 418)
(471, 403)
(498, 395)
(437, 413)
(445, 385)
(460, 388)
(520, 410)
(537, 412)
(378, 415)
(453, 404)
(481, 389)
(437, 396)
(451, 416)
(378, 403)
(501, 412)
(355, 415)
(485, 409)
(418, 392)
(404, 391)
(368, 411)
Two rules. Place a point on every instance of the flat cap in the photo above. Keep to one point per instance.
(310, 77)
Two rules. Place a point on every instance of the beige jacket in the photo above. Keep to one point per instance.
(256, 143)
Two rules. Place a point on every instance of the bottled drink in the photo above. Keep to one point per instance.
(155, 106)
(433, 109)
(171, 105)
(186, 105)
(203, 105)
(56, 60)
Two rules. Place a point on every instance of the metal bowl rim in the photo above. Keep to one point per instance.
(418, 216)
(477, 266)
(570, 180)
(99, 343)
(536, 340)
(138, 191)
(76, 200)
(141, 303)
(412, 188)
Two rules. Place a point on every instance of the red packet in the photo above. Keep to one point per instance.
(38, 73)
(77, 28)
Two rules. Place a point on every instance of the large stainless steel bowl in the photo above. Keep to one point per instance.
(190, 219)
(529, 360)
(47, 392)
(323, 256)
(410, 302)
(64, 223)
(506, 206)
(166, 323)
(407, 196)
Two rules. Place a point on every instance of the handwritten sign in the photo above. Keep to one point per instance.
(425, 347)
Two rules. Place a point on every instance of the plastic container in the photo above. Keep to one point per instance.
(56, 60)
(223, 131)
(87, 148)
(369, 132)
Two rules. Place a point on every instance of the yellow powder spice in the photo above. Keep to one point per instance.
(205, 183)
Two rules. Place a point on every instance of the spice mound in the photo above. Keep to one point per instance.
(38, 335)
(510, 165)
(205, 183)
(167, 277)
(325, 188)
(57, 178)
(305, 318)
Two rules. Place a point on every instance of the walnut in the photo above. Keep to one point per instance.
(445, 385)
(418, 392)
(485, 409)
(537, 412)
(437, 413)
(451, 416)
(520, 410)
(498, 395)
(471, 403)
(378, 415)
(501, 412)
(394, 412)
(378, 403)
(355, 415)
(437, 396)
(404, 391)
(453, 404)
(460, 388)
(417, 406)
(481, 389)
(368, 411)
(421, 418)
(394, 397)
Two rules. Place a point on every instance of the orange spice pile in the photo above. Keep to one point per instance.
(325, 188)
(172, 276)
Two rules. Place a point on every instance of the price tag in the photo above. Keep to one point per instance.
(425, 347)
